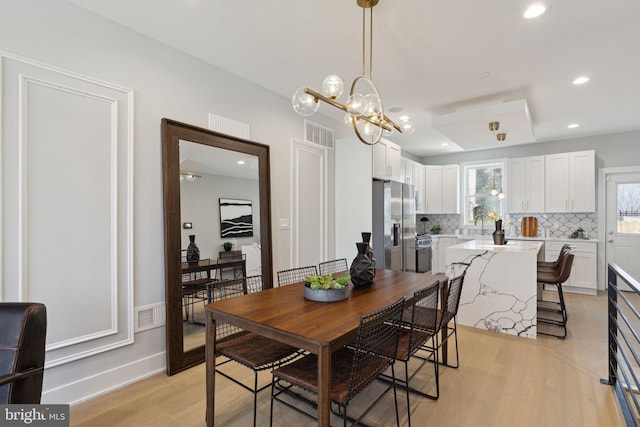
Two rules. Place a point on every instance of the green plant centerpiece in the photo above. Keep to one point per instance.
(326, 288)
(227, 246)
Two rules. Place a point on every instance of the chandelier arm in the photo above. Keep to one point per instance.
(318, 96)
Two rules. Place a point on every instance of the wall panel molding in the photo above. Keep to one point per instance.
(68, 172)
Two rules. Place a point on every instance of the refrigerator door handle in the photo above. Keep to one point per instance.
(395, 234)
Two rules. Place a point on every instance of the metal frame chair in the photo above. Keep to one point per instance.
(254, 351)
(333, 266)
(353, 367)
(447, 314)
(295, 275)
(419, 325)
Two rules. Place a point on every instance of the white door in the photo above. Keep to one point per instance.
(623, 222)
(309, 204)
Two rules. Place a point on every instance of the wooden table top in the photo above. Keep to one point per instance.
(284, 314)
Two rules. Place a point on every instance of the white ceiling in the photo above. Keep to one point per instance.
(428, 56)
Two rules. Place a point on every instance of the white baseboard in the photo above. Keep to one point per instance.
(95, 385)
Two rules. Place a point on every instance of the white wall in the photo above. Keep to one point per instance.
(166, 83)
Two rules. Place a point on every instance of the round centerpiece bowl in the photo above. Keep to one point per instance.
(326, 295)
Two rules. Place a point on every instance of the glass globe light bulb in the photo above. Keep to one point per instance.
(303, 103)
(501, 195)
(494, 192)
(332, 86)
(408, 126)
(190, 177)
(348, 119)
(355, 104)
(372, 105)
(367, 129)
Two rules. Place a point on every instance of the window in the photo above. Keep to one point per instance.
(628, 208)
(479, 180)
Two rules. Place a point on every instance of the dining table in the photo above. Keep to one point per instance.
(283, 314)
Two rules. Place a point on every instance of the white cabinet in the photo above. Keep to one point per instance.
(583, 278)
(570, 182)
(418, 174)
(386, 161)
(442, 189)
(525, 184)
(414, 175)
(451, 189)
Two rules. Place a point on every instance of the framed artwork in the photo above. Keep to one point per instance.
(236, 218)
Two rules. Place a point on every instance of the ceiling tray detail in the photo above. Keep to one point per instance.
(467, 127)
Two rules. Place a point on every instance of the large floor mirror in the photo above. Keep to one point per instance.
(216, 197)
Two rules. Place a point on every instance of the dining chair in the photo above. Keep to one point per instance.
(419, 325)
(251, 350)
(23, 330)
(333, 266)
(448, 314)
(551, 312)
(353, 367)
(295, 275)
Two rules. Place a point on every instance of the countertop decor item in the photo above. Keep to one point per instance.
(498, 235)
(529, 226)
(326, 288)
(578, 233)
(436, 229)
(227, 246)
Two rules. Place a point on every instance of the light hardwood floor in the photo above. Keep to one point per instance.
(502, 381)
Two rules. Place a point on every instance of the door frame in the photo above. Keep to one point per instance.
(603, 174)
(326, 210)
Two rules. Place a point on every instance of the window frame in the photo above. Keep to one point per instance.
(465, 194)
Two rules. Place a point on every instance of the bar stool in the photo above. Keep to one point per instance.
(554, 313)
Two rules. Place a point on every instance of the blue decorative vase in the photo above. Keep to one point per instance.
(193, 252)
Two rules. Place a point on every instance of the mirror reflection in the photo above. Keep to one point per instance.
(220, 226)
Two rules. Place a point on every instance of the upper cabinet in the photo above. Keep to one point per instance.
(525, 183)
(442, 189)
(414, 175)
(386, 161)
(570, 182)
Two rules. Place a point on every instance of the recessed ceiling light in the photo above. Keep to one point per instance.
(484, 75)
(395, 109)
(534, 11)
(573, 125)
(241, 162)
(581, 80)
(404, 118)
(445, 144)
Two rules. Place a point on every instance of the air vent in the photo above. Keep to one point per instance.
(317, 134)
(229, 126)
(149, 317)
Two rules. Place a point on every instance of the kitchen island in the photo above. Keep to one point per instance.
(500, 288)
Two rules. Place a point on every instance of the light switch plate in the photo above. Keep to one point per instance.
(284, 223)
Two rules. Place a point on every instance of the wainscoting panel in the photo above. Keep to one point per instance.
(67, 203)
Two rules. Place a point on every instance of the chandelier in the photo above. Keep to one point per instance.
(364, 110)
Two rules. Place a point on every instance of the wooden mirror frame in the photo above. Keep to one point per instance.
(172, 132)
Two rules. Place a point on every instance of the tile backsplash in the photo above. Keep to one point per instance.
(559, 225)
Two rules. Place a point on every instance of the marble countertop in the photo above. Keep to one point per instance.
(511, 246)
(538, 239)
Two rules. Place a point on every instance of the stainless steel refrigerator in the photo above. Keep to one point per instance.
(394, 225)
